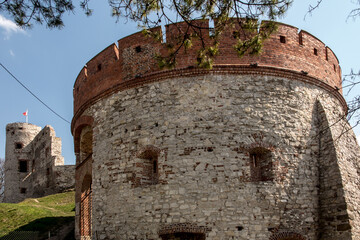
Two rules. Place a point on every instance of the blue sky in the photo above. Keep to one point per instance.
(48, 61)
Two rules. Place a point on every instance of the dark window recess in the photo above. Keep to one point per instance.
(138, 49)
(236, 34)
(99, 67)
(334, 68)
(326, 55)
(282, 39)
(47, 152)
(148, 168)
(155, 167)
(315, 52)
(48, 171)
(18, 145)
(23, 190)
(23, 166)
(239, 228)
(261, 165)
(300, 39)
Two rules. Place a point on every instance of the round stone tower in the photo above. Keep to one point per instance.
(255, 148)
(18, 160)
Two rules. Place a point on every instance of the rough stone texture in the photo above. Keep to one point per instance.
(236, 152)
(45, 172)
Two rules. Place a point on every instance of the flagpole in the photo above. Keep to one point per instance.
(26, 115)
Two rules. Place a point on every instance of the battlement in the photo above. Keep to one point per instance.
(132, 62)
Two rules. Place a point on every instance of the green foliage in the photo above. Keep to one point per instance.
(42, 214)
(242, 15)
(253, 45)
(25, 12)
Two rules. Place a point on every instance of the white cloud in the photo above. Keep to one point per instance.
(9, 27)
(12, 53)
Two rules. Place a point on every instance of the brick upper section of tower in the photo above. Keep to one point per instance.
(132, 62)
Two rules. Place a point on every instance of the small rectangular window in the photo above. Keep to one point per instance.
(282, 39)
(326, 55)
(23, 166)
(23, 190)
(138, 49)
(315, 52)
(18, 145)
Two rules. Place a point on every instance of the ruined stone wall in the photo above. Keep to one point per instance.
(18, 148)
(49, 173)
(45, 172)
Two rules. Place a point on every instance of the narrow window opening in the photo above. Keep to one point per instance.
(18, 145)
(239, 228)
(23, 190)
(48, 171)
(236, 34)
(326, 55)
(23, 166)
(47, 152)
(99, 67)
(282, 39)
(300, 39)
(155, 167)
(315, 51)
(334, 68)
(138, 49)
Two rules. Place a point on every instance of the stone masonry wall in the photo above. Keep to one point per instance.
(45, 172)
(18, 147)
(48, 165)
(205, 128)
(339, 176)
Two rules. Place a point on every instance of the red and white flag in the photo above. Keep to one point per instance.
(26, 115)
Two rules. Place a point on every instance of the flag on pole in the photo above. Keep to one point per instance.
(26, 115)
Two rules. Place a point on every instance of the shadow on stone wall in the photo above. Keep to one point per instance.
(333, 217)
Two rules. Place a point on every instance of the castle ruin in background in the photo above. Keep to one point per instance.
(256, 148)
(34, 166)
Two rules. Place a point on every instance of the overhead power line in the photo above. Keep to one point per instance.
(27, 89)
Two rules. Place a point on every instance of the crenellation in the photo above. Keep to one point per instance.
(134, 59)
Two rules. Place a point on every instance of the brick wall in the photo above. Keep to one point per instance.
(133, 60)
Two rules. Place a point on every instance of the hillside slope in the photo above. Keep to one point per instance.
(42, 214)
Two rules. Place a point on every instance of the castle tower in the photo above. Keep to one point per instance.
(18, 156)
(256, 148)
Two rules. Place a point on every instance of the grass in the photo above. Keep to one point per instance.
(41, 214)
